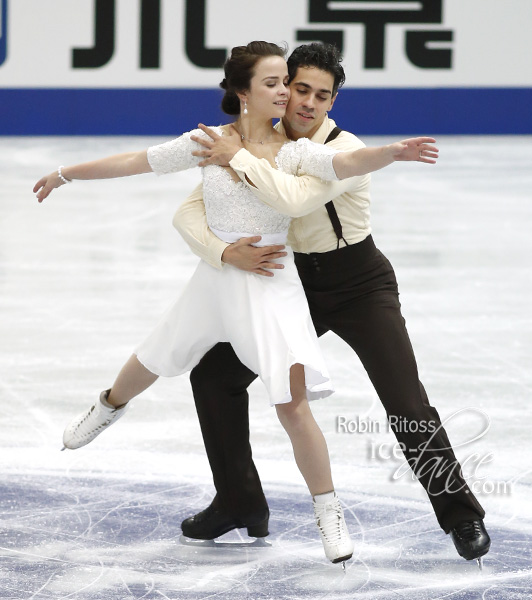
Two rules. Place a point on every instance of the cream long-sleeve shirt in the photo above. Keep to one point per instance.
(300, 196)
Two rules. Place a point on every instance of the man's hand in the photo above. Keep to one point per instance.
(245, 256)
(219, 150)
(418, 149)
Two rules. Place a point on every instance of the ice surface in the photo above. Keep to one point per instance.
(84, 277)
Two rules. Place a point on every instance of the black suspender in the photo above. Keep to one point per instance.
(333, 215)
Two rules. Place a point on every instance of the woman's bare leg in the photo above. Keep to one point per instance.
(310, 447)
(312, 458)
(132, 380)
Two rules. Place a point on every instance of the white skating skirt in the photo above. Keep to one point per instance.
(265, 319)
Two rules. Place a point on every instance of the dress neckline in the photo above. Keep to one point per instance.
(219, 127)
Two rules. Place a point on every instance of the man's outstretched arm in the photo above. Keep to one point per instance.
(297, 196)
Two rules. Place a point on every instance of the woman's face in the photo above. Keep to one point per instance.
(269, 93)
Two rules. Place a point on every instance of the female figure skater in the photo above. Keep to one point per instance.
(266, 320)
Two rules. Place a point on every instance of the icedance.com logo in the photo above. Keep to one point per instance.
(426, 459)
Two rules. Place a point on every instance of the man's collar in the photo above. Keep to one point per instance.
(321, 134)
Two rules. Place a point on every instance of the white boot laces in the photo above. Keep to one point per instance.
(97, 418)
(329, 521)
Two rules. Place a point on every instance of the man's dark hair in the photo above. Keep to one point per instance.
(321, 56)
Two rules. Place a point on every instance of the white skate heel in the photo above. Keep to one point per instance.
(89, 424)
(333, 530)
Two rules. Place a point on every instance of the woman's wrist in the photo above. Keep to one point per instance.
(61, 175)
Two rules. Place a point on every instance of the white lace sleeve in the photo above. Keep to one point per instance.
(309, 158)
(175, 155)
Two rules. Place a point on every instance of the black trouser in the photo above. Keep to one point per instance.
(352, 292)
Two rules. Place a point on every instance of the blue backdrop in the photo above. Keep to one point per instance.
(169, 112)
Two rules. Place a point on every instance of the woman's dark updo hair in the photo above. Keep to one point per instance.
(239, 68)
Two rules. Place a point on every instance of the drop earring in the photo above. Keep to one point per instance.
(245, 108)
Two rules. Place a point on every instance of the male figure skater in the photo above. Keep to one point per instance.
(351, 290)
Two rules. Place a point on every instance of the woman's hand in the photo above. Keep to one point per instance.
(418, 149)
(46, 184)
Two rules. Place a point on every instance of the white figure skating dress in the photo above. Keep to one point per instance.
(266, 319)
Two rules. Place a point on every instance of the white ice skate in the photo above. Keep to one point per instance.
(89, 424)
(333, 530)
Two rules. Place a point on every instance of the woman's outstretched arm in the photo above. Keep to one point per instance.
(118, 165)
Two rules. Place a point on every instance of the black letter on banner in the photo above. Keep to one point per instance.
(375, 18)
(426, 58)
(207, 58)
(3, 32)
(104, 38)
(336, 38)
(150, 34)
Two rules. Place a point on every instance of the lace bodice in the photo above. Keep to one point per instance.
(232, 206)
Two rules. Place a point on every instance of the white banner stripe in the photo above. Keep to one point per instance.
(375, 6)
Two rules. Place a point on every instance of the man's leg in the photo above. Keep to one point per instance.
(354, 293)
(219, 383)
(380, 339)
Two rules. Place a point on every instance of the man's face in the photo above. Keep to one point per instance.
(311, 98)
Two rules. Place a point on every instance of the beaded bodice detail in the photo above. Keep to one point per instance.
(232, 206)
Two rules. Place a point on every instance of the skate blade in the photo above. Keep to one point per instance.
(342, 559)
(480, 563)
(258, 543)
